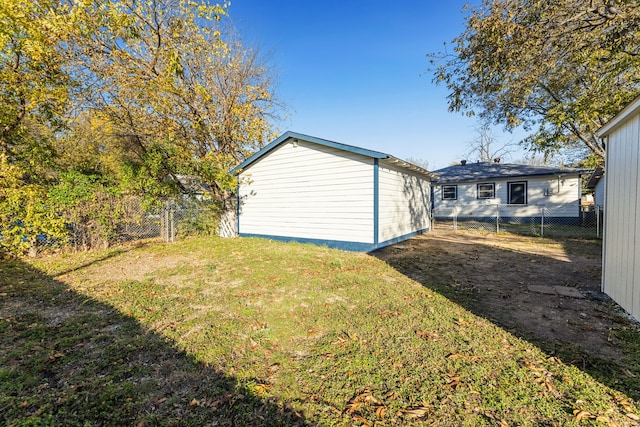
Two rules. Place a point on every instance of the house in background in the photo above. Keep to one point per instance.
(621, 251)
(307, 189)
(596, 182)
(478, 190)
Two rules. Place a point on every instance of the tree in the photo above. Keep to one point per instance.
(486, 148)
(34, 85)
(558, 68)
(183, 95)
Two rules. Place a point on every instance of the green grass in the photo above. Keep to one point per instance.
(251, 332)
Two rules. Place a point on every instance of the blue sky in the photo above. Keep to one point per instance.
(355, 71)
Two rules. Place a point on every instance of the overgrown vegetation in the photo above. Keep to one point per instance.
(252, 332)
(105, 100)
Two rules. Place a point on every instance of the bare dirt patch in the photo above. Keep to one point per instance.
(543, 290)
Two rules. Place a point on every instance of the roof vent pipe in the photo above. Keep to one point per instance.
(463, 162)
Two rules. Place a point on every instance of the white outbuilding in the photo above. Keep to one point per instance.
(307, 189)
(621, 250)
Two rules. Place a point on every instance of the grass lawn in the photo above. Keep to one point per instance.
(215, 331)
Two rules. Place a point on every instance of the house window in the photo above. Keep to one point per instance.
(449, 192)
(486, 191)
(517, 193)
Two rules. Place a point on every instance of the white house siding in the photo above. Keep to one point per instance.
(621, 269)
(563, 199)
(404, 203)
(599, 192)
(308, 192)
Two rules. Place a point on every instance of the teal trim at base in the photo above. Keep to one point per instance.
(338, 244)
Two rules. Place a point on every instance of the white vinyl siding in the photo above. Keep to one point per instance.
(621, 269)
(404, 202)
(599, 192)
(308, 191)
(560, 197)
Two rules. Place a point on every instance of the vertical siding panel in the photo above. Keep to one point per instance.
(612, 222)
(634, 141)
(628, 217)
(621, 277)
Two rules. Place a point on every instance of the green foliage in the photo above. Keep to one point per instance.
(91, 206)
(106, 100)
(183, 95)
(33, 82)
(560, 69)
(26, 214)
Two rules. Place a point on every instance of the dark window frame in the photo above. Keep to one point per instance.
(455, 192)
(492, 190)
(510, 198)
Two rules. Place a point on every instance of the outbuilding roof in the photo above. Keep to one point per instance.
(285, 137)
(481, 171)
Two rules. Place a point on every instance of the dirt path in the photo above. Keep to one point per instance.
(545, 291)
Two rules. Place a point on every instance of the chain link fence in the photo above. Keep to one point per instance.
(539, 221)
(126, 220)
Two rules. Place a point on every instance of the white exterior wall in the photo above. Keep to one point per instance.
(308, 192)
(621, 268)
(564, 200)
(404, 202)
(599, 192)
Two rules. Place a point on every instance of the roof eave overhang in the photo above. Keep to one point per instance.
(298, 136)
(619, 119)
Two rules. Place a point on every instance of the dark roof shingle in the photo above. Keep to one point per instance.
(490, 170)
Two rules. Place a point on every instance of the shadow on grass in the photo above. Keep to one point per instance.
(502, 283)
(66, 359)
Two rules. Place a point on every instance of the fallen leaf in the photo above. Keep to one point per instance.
(429, 336)
(363, 420)
(634, 417)
(579, 414)
(392, 395)
(419, 412)
(453, 380)
(194, 402)
(453, 356)
(461, 322)
(262, 388)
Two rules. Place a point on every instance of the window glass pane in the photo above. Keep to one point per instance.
(486, 191)
(517, 193)
(449, 192)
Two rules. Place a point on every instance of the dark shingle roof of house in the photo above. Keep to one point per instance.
(489, 170)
